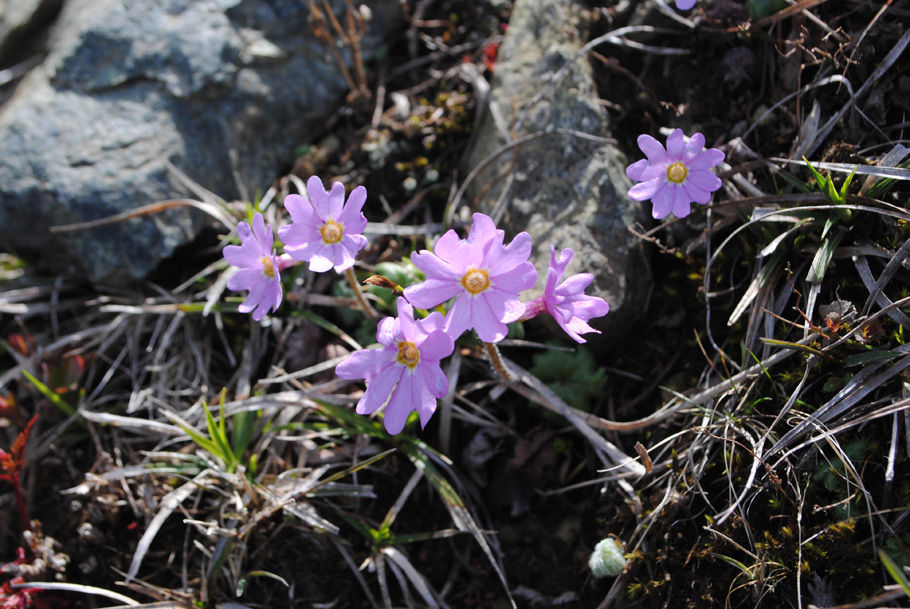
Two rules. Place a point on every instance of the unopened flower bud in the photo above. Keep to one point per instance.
(607, 558)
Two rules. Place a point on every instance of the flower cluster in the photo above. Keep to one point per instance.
(483, 277)
(325, 231)
(480, 275)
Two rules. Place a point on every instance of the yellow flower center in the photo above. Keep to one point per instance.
(677, 172)
(475, 280)
(408, 354)
(331, 231)
(268, 269)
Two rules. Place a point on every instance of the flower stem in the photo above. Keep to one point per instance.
(361, 299)
(498, 364)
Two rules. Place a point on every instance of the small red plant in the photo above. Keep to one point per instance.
(11, 465)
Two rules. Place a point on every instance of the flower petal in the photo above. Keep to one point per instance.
(575, 284)
(240, 257)
(695, 144)
(301, 211)
(681, 202)
(523, 277)
(319, 197)
(434, 379)
(379, 388)
(435, 267)
(262, 232)
(410, 330)
(460, 316)
(436, 346)
(696, 194)
(400, 404)
(707, 159)
(336, 201)
(244, 278)
(704, 180)
(487, 324)
(429, 293)
(388, 332)
(319, 263)
(646, 190)
(351, 216)
(676, 141)
(635, 170)
(652, 149)
(365, 364)
(663, 202)
(425, 404)
(503, 260)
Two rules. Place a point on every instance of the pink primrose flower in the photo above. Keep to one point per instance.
(567, 302)
(484, 276)
(675, 177)
(259, 268)
(405, 373)
(327, 233)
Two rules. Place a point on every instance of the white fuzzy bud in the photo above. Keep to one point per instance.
(607, 558)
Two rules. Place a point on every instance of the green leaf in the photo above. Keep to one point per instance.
(846, 185)
(50, 394)
(821, 181)
(896, 572)
(858, 359)
(759, 9)
(823, 257)
(572, 375)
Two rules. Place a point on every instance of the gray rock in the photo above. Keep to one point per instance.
(564, 189)
(222, 89)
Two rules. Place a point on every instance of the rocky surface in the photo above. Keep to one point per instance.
(564, 188)
(222, 89)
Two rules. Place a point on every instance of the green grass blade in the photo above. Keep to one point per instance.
(50, 394)
(895, 571)
(355, 468)
(823, 257)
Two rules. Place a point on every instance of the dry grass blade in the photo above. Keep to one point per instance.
(419, 454)
(859, 387)
(80, 588)
(865, 273)
(607, 451)
(896, 262)
(147, 210)
(169, 503)
(890, 59)
(150, 426)
(400, 564)
(877, 171)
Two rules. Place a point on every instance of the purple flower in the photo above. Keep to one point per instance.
(484, 276)
(685, 5)
(567, 302)
(327, 233)
(259, 268)
(405, 372)
(675, 177)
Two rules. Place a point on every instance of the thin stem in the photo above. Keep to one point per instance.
(20, 502)
(361, 299)
(498, 364)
